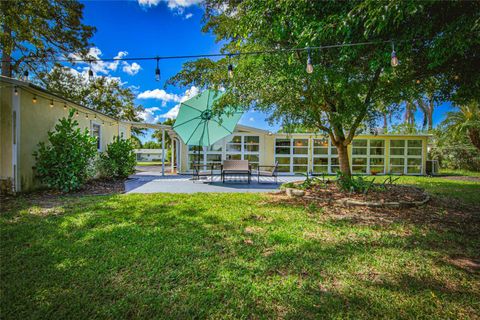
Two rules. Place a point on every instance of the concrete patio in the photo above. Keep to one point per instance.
(152, 182)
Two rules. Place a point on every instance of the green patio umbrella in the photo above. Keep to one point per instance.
(198, 126)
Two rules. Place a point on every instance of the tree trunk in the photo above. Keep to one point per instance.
(474, 136)
(343, 158)
(385, 123)
(430, 117)
(6, 57)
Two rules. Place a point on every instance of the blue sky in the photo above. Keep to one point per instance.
(158, 27)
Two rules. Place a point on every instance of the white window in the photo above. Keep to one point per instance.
(368, 156)
(325, 156)
(236, 147)
(406, 156)
(292, 155)
(97, 133)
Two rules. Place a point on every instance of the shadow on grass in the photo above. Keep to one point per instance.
(187, 257)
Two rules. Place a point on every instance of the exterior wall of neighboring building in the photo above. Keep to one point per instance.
(149, 154)
(34, 120)
(305, 152)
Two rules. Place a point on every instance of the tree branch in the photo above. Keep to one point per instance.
(363, 113)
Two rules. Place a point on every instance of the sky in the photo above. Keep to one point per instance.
(146, 28)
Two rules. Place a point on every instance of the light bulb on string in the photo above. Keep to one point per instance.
(90, 72)
(86, 116)
(230, 68)
(309, 62)
(16, 90)
(51, 103)
(65, 107)
(394, 59)
(34, 100)
(76, 114)
(157, 71)
(25, 75)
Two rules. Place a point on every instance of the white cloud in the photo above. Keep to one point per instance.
(105, 67)
(149, 116)
(159, 94)
(172, 4)
(188, 15)
(173, 112)
(251, 119)
(131, 69)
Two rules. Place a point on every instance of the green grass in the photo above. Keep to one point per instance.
(227, 256)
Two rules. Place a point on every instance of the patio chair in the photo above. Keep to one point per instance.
(202, 170)
(268, 171)
(235, 168)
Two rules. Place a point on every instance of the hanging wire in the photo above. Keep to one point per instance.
(271, 51)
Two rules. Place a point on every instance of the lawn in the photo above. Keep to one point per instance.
(238, 256)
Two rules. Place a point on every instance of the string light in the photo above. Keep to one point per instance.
(16, 91)
(157, 71)
(394, 60)
(65, 106)
(309, 62)
(51, 103)
(25, 75)
(90, 72)
(34, 100)
(230, 68)
(86, 115)
(76, 114)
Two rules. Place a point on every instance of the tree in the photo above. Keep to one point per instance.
(151, 145)
(338, 96)
(36, 31)
(465, 122)
(157, 134)
(107, 95)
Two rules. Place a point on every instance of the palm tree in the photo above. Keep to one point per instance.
(465, 121)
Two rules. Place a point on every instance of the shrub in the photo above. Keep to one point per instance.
(63, 163)
(119, 160)
(354, 184)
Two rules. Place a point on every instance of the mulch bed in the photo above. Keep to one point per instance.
(50, 198)
(393, 193)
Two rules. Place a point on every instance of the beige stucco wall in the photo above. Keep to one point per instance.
(6, 170)
(39, 118)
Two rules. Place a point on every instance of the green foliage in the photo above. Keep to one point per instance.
(454, 152)
(63, 163)
(105, 95)
(41, 30)
(341, 92)
(119, 160)
(356, 184)
(152, 145)
(465, 122)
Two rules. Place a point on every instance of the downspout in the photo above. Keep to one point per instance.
(15, 140)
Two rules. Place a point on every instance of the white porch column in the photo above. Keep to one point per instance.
(163, 151)
(172, 164)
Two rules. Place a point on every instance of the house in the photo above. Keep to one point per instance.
(314, 153)
(148, 155)
(27, 113)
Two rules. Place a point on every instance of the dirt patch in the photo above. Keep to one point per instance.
(392, 193)
(465, 263)
(49, 199)
(439, 213)
(462, 178)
